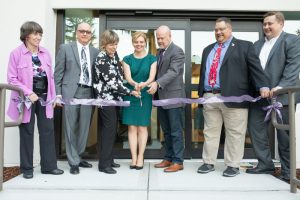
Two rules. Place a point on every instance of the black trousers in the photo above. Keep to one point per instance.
(107, 119)
(46, 138)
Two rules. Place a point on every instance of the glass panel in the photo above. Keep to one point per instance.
(155, 137)
(292, 26)
(74, 17)
(199, 40)
(197, 123)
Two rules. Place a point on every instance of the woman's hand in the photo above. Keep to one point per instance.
(142, 85)
(136, 94)
(33, 97)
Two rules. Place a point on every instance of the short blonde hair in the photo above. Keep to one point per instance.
(138, 34)
(108, 37)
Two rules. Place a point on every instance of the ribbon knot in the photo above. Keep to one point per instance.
(276, 106)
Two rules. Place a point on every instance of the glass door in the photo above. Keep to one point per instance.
(124, 28)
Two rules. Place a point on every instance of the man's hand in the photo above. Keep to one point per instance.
(153, 87)
(264, 92)
(56, 101)
(274, 90)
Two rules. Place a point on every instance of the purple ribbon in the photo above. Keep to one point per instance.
(164, 102)
(275, 106)
(206, 100)
(89, 102)
(21, 102)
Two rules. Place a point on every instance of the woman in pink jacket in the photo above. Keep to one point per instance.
(30, 69)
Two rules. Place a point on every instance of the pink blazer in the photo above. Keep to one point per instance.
(20, 74)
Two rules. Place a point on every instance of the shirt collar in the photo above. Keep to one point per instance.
(79, 45)
(225, 44)
(273, 39)
(25, 50)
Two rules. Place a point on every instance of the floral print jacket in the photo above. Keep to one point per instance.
(108, 78)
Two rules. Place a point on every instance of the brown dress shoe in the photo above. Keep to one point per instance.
(163, 164)
(174, 168)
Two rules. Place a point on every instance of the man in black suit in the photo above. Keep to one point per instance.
(225, 70)
(279, 54)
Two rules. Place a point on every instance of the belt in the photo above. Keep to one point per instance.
(84, 86)
(214, 91)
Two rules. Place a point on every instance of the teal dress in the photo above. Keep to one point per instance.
(138, 114)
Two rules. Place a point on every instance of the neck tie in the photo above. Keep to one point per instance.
(160, 56)
(84, 66)
(212, 77)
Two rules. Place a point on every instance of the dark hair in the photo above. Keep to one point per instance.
(278, 15)
(29, 27)
(224, 19)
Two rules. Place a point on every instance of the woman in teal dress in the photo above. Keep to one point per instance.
(139, 70)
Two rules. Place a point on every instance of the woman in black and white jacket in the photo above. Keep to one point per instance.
(108, 85)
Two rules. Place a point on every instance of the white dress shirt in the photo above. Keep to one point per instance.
(266, 49)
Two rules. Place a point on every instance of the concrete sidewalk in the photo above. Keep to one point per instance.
(147, 184)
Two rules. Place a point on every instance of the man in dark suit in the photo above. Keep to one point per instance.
(225, 70)
(279, 54)
(73, 80)
(169, 84)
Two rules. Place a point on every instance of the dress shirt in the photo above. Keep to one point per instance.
(209, 61)
(266, 49)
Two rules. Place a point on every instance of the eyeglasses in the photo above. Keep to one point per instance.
(84, 32)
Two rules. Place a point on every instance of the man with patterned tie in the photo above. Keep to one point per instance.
(226, 69)
(73, 80)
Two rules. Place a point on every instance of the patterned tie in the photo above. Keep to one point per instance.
(84, 66)
(160, 56)
(212, 77)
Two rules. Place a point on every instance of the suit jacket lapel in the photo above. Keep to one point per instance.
(259, 46)
(166, 54)
(75, 51)
(276, 45)
(91, 55)
(229, 50)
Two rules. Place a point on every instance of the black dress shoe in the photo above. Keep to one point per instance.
(257, 170)
(108, 170)
(85, 164)
(115, 165)
(132, 166)
(74, 169)
(139, 167)
(27, 175)
(54, 172)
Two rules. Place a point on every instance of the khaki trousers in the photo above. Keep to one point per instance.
(235, 122)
